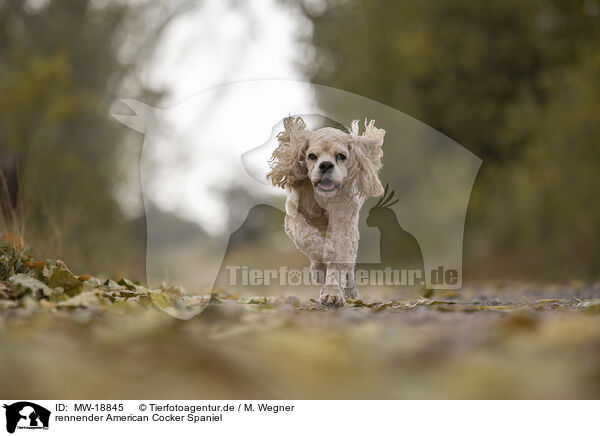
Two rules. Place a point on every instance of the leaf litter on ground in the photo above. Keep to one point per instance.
(524, 341)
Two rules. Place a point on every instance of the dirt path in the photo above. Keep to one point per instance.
(514, 341)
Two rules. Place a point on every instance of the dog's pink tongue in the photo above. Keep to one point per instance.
(326, 184)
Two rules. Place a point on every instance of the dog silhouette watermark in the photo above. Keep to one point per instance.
(26, 415)
(431, 174)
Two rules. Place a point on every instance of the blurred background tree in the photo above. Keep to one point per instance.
(515, 82)
(62, 65)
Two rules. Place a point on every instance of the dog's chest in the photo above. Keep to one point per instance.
(315, 215)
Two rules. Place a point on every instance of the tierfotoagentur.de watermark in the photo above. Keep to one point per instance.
(240, 275)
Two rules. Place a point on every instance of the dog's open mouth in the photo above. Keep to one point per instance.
(327, 185)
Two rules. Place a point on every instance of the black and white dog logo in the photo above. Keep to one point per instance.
(26, 415)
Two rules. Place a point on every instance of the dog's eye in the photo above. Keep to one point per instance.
(340, 156)
(312, 156)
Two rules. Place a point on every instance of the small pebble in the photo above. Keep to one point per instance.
(292, 300)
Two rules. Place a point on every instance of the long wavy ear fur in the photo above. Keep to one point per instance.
(288, 166)
(366, 153)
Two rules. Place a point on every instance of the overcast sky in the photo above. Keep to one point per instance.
(211, 46)
(217, 44)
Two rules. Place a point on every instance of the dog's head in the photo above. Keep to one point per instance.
(329, 159)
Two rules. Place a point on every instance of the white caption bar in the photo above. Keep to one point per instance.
(23, 417)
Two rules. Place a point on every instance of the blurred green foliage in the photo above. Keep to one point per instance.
(62, 65)
(515, 82)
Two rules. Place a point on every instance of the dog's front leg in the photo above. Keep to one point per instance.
(350, 291)
(339, 279)
(343, 231)
(332, 292)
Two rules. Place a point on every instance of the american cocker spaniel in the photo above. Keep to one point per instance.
(328, 174)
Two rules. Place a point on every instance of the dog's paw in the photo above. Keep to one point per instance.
(351, 293)
(332, 296)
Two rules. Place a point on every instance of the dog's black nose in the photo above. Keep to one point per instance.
(325, 165)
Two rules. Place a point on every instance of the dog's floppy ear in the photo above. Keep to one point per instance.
(365, 158)
(288, 166)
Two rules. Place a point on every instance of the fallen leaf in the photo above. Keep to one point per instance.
(84, 299)
(21, 283)
(38, 265)
(64, 279)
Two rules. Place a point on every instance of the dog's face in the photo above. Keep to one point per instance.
(329, 159)
(326, 160)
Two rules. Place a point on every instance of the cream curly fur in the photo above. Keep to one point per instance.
(328, 174)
